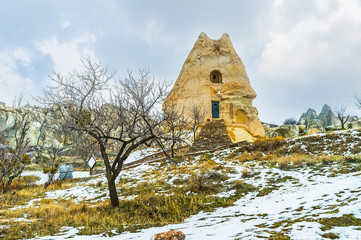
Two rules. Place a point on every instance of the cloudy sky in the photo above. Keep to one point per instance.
(298, 53)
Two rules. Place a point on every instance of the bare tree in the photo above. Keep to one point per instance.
(175, 132)
(83, 147)
(14, 159)
(197, 115)
(341, 115)
(358, 101)
(120, 115)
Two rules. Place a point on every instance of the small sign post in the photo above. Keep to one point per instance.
(91, 163)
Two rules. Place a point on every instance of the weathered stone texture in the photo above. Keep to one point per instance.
(170, 235)
(234, 93)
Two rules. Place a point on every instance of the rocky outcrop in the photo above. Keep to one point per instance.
(214, 78)
(310, 123)
(307, 117)
(325, 119)
(286, 131)
(170, 235)
(354, 124)
(327, 116)
(10, 117)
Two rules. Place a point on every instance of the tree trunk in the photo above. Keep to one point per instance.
(7, 185)
(114, 200)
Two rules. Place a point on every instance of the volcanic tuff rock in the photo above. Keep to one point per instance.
(9, 115)
(170, 235)
(213, 73)
(327, 116)
(325, 119)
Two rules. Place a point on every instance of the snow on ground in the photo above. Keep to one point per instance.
(139, 154)
(79, 193)
(292, 206)
(308, 194)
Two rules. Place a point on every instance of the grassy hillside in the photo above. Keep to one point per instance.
(272, 188)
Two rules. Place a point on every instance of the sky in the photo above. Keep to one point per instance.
(298, 54)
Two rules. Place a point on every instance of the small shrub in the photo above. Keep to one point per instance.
(269, 144)
(199, 183)
(216, 176)
(283, 163)
(246, 173)
(180, 181)
(242, 188)
(343, 221)
(356, 150)
(357, 167)
(279, 236)
(330, 235)
(265, 191)
(296, 149)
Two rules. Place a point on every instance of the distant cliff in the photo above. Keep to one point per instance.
(10, 118)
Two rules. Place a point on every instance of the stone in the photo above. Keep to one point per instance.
(316, 123)
(301, 128)
(170, 235)
(214, 78)
(267, 129)
(327, 116)
(307, 117)
(312, 131)
(354, 124)
(9, 117)
(287, 131)
(353, 119)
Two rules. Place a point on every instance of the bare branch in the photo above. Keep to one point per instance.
(119, 115)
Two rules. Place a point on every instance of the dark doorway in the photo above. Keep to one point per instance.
(215, 109)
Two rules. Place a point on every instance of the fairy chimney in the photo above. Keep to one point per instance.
(213, 77)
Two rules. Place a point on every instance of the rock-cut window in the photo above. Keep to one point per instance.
(216, 76)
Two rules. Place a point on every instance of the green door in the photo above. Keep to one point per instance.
(215, 109)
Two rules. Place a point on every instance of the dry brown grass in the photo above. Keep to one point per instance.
(296, 160)
(147, 210)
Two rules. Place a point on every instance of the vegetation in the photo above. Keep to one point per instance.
(169, 194)
(290, 121)
(120, 123)
(13, 158)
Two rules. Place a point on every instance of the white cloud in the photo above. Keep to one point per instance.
(66, 56)
(11, 82)
(323, 5)
(348, 11)
(152, 31)
(292, 50)
(23, 56)
(65, 24)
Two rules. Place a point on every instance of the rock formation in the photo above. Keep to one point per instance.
(8, 128)
(213, 77)
(327, 116)
(325, 119)
(311, 123)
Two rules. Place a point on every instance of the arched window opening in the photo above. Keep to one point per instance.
(216, 76)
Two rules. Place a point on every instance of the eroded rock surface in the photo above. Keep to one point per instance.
(170, 235)
(214, 74)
